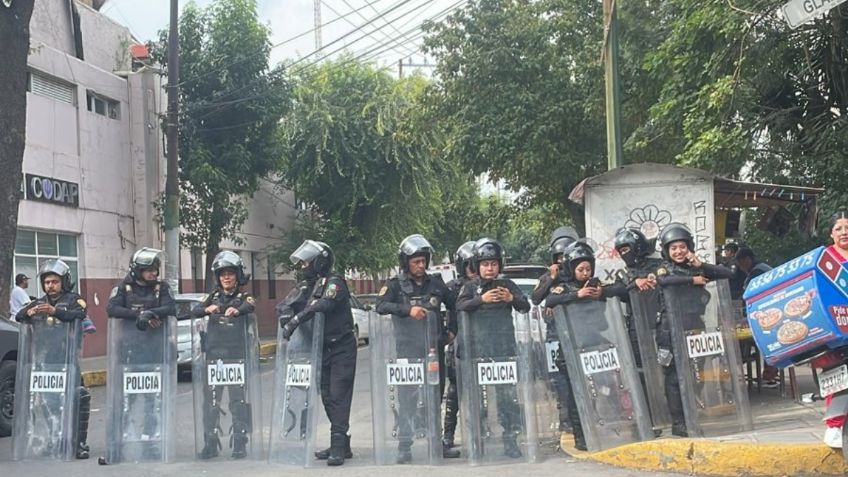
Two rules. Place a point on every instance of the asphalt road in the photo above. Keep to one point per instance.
(360, 465)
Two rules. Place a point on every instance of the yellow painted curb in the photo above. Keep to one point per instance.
(94, 378)
(267, 349)
(707, 457)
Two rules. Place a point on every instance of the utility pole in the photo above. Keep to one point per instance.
(612, 92)
(172, 189)
(317, 21)
(400, 68)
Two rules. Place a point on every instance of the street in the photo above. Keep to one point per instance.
(360, 465)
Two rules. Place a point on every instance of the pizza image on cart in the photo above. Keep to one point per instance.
(792, 332)
(768, 319)
(800, 305)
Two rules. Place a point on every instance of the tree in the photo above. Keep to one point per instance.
(361, 153)
(14, 38)
(231, 105)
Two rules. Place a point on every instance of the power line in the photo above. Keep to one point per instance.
(352, 23)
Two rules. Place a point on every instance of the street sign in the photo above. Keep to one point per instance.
(798, 12)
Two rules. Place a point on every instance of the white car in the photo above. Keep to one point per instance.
(185, 302)
(361, 316)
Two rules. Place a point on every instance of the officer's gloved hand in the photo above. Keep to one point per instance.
(143, 320)
(285, 318)
(290, 326)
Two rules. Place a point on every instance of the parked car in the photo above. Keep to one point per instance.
(524, 271)
(8, 361)
(185, 302)
(361, 317)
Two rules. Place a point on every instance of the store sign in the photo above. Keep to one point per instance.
(54, 191)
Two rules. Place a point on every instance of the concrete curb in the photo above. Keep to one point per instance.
(724, 459)
(97, 377)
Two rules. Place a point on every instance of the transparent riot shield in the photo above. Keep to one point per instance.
(141, 392)
(405, 397)
(495, 374)
(707, 356)
(645, 306)
(543, 383)
(603, 374)
(297, 379)
(227, 397)
(47, 389)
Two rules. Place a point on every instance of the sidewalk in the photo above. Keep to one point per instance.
(94, 368)
(787, 440)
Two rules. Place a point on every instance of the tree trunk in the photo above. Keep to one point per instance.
(14, 49)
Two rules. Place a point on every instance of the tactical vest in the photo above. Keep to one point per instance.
(140, 302)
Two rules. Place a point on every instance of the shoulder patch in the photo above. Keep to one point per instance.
(558, 290)
(331, 291)
(662, 272)
(81, 303)
(383, 290)
(250, 300)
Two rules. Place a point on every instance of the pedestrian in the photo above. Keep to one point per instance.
(500, 297)
(737, 281)
(19, 296)
(408, 297)
(747, 262)
(146, 302)
(680, 267)
(227, 338)
(326, 292)
(465, 273)
(59, 302)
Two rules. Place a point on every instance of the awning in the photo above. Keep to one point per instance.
(731, 193)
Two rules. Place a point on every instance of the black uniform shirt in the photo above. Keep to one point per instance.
(329, 296)
(129, 292)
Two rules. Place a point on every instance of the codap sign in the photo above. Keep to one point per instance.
(55, 191)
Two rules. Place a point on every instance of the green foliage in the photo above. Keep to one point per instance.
(361, 153)
(231, 104)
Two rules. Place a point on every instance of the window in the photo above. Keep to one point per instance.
(33, 248)
(103, 106)
(43, 85)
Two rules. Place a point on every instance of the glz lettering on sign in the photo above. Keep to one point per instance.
(798, 12)
(299, 375)
(230, 374)
(705, 344)
(599, 361)
(142, 383)
(47, 382)
(402, 374)
(505, 372)
(552, 351)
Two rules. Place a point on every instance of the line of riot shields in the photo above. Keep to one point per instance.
(509, 386)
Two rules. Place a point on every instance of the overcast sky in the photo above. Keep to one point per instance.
(386, 39)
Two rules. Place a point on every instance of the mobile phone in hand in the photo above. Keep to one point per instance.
(593, 282)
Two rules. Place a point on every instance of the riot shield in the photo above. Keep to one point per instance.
(141, 392)
(495, 375)
(603, 374)
(405, 398)
(645, 306)
(47, 389)
(707, 356)
(297, 379)
(543, 384)
(227, 397)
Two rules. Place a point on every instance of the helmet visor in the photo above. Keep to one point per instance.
(54, 266)
(307, 252)
(415, 244)
(225, 259)
(146, 257)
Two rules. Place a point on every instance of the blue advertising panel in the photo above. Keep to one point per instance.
(799, 308)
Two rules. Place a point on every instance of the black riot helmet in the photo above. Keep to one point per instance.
(639, 245)
(487, 249)
(561, 238)
(463, 256)
(414, 246)
(227, 259)
(577, 252)
(145, 259)
(674, 232)
(58, 268)
(316, 259)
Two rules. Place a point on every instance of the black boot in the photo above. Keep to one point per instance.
(239, 443)
(324, 454)
(511, 449)
(212, 446)
(449, 453)
(679, 429)
(404, 455)
(339, 447)
(82, 431)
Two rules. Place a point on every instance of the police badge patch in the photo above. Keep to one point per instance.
(434, 301)
(81, 303)
(250, 300)
(662, 271)
(332, 290)
(383, 291)
(558, 290)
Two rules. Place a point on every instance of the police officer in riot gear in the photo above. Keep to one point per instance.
(61, 303)
(142, 297)
(680, 267)
(323, 291)
(487, 291)
(408, 297)
(224, 339)
(464, 273)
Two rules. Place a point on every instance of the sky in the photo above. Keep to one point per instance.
(385, 39)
